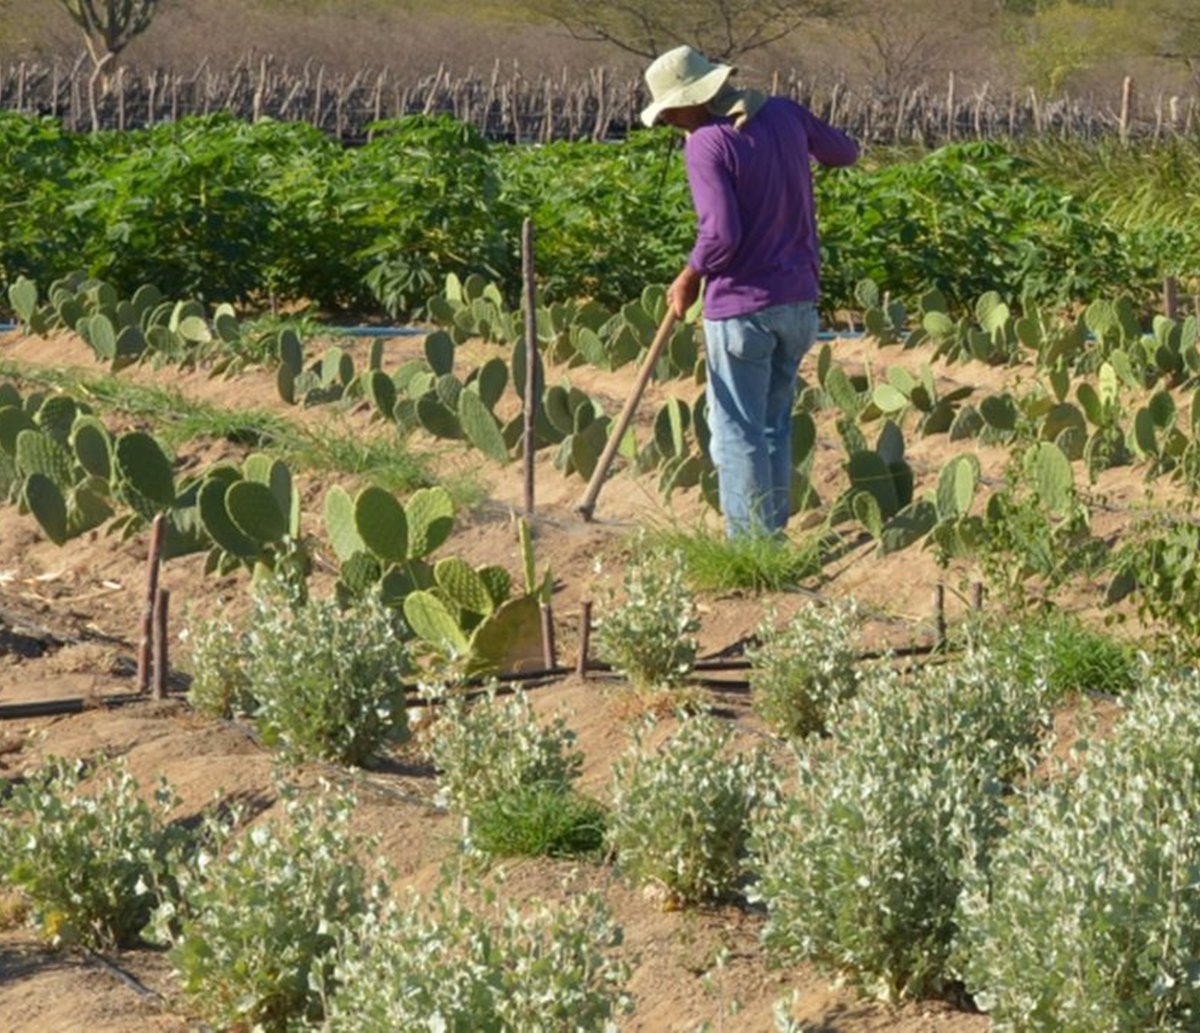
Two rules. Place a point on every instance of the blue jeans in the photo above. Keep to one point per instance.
(752, 365)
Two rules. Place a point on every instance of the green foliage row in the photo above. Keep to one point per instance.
(224, 211)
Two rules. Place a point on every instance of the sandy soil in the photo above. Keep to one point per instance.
(86, 599)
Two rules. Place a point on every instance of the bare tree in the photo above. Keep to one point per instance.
(902, 44)
(109, 26)
(722, 29)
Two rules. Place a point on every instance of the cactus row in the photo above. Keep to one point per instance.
(124, 331)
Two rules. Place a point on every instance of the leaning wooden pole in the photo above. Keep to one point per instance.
(531, 364)
(588, 506)
(158, 532)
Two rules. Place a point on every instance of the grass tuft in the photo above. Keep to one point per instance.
(538, 821)
(754, 563)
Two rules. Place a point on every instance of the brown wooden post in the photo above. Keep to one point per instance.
(1126, 107)
(162, 608)
(585, 637)
(1171, 297)
(532, 392)
(977, 596)
(549, 650)
(158, 531)
(939, 613)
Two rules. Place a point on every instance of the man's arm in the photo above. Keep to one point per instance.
(828, 145)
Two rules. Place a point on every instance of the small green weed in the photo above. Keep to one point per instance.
(751, 562)
(1059, 647)
(538, 821)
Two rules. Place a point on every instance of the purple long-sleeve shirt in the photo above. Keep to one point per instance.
(756, 236)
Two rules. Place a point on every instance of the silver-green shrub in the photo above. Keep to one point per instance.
(220, 683)
(91, 858)
(860, 871)
(681, 813)
(803, 667)
(650, 635)
(495, 745)
(255, 919)
(1090, 918)
(462, 962)
(326, 680)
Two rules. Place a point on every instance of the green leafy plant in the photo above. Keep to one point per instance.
(496, 746)
(1157, 562)
(681, 813)
(805, 666)
(1086, 917)
(220, 685)
(320, 680)
(749, 562)
(649, 636)
(88, 851)
(254, 924)
(861, 867)
(1058, 648)
(329, 681)
(538, 821)
(462, 962)
(1037, 528)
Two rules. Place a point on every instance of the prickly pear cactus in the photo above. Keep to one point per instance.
(381, 524)
(37, 452)
(338, 510)
(430, 620)
(480, 427)
(254, 511)
(146, 481)
(45, 500)
(430, 516)
(463, 585)
(217, 523)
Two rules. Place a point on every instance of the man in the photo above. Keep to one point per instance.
(747, 158)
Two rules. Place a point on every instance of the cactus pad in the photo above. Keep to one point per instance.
(381, 523)
(339, 523)
(430, 516)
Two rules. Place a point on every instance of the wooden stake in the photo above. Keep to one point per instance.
(157, 534)
(161, 661)
(549, 652)
(531, 356)
(1171, 297)
(939, 613)
(977, 596)
(585, 637)
(1126, 107)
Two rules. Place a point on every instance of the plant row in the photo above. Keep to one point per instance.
(919, 846)
(230, 212)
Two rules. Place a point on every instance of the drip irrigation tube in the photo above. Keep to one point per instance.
(416, 331)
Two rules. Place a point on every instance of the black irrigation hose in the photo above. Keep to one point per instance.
(128, 979)
(66, 705)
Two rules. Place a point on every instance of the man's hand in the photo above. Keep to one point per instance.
(681, 295)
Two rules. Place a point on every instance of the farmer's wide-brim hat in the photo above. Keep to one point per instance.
(681, 78)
